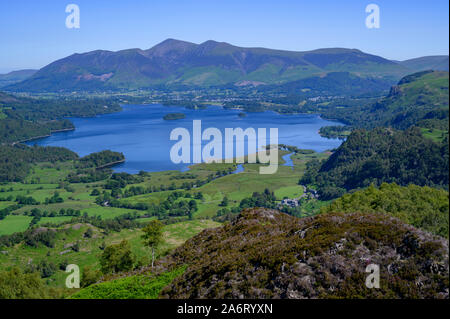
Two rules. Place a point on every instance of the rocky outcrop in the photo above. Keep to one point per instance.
(268, 254)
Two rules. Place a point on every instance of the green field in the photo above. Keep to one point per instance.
(289, 192)
(14, 223)
(235, 186)
(54, 220)
(4, 204)
(44, 180)
(434, 134)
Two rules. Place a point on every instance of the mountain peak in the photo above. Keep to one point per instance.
(213, 43)
(170, 45)
(335, 50)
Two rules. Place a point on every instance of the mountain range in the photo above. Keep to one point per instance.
(174, 62)
(15, 76)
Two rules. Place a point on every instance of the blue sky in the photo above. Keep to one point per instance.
(33, 32)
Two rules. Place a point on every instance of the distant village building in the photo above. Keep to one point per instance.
(308, 193)
(290, 202)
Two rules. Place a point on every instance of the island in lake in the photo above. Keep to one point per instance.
(174, 116)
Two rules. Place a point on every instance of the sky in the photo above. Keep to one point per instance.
(33, 33)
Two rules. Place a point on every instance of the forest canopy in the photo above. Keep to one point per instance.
(377, 156)
(423, 207)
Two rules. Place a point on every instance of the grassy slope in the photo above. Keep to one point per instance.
(421, 94)
(88, 255)
(134, 287)
(434, 86)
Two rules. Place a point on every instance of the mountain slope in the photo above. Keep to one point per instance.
(419, 99)
(332, 84)
(434, 62)
(15, 76)
(174, 62)
(377, 156)
(22, 118)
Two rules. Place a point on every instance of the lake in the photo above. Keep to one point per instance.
(141, 134)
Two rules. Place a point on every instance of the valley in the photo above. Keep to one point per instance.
(78, 212)
(86, 176)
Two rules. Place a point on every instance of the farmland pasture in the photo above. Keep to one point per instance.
(289, 192)
(54, 220)
(4, 204)
(13, 224)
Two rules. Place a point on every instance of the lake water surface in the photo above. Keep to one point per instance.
(140, 132)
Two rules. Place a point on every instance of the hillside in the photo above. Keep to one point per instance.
(331, 84)
(434, 62)
(377, 156)
(267, 254)
(15, 76)
(174, 62)
(419, 99)
(22, 118)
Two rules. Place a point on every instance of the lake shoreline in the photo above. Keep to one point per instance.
(43, 136)
(140, 132)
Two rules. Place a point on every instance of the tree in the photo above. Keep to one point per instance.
(89, 276)
(116, 258)
(224, 202)
(152, 236)
(193, 205)
(44, 267)
(199, 195)
(88, 233)
(76, 247)
(15, 284)
(63, 265)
